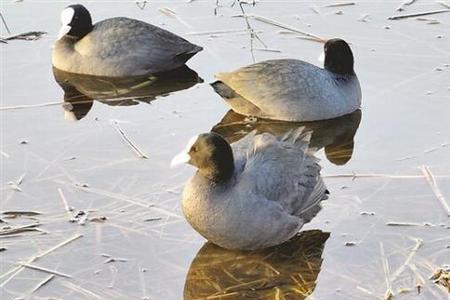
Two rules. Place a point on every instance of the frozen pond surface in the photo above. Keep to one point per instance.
(135, 243)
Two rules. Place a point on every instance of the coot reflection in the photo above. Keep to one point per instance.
(287, 271)
(335, 135)
(81, 90)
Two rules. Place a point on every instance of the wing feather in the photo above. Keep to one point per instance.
(282, 171)
(139, 43)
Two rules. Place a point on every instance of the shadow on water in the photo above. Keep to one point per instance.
(335, 135)
(287, 271)
(80, 91)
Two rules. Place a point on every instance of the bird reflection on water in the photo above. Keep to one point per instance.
(80, 91)
(336, 136)
(287, 271)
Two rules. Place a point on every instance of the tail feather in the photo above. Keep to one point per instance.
(186, 55)
(223, 90)
(312, 206)
(319, 193)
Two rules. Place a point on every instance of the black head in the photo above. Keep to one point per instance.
(211, 154)
(338, 57)
(76, 22)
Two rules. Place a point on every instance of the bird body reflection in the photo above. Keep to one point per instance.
(334, 135)
(287, 271)
(80, 91)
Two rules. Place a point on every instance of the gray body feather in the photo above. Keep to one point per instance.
(289, 90)
(120, 47)
(276, 188)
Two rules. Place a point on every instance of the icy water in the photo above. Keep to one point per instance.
(385, 166)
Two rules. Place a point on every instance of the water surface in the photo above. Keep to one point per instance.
(135, 243)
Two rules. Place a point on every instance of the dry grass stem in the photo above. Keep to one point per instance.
(172, 14)
(443, 145)
(42, 283)
(405, 3)
(128, 141)
(20, 229)
(56, 247)
(14, 185)
(420, 280)
(394, 223)
(441, 277)
(53, 272)
(364, 290)
(14, 271)
(444, 4)
(27, 36)
(20, 179)
(315, 9)
(114, 272)
(355, 176)
(267, 50)
(308, 38)
(229, 31)
(340, 4)
(4, 23)
(410, 256)
(288, 27)
(168, 12)
(113, 195)
(64, 200)
(106, 100)
(251, 31)
(129, 229)
(19, 213)
(31, 105)
(440, 11)
(364, 18)
(141, 4)
(388, 295)
(141, 274)
(81, 290)
(437, 192)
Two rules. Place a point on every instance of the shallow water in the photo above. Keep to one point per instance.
(145, 249)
